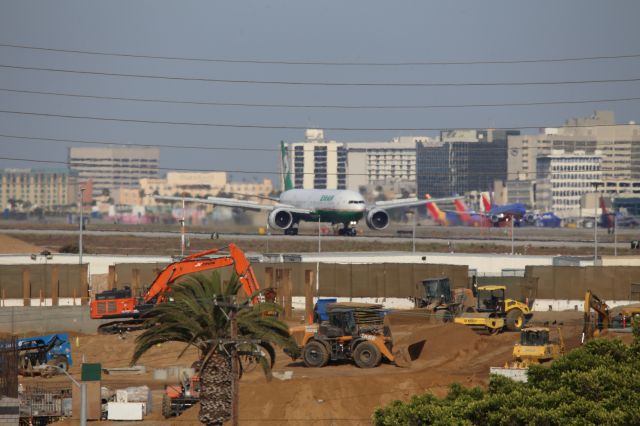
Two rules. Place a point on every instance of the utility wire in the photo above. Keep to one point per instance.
(74, 164)
(484, 148)
(323, 63)
(325, 83)
(318, 106)
(266, 126)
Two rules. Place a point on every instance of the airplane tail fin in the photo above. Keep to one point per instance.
(286, 172)
(603, 206)
(436, 214)
(462, 209)
(486, 202)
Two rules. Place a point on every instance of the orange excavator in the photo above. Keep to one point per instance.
(128, 309)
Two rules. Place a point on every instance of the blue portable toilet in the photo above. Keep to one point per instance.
(320, 310)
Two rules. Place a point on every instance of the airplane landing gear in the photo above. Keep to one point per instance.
(291, 231)
(347, 231)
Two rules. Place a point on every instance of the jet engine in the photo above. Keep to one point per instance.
(530, 218)
(495, 218)
(280, 219)
(377, 219)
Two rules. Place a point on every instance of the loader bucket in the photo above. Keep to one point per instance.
(405, 354)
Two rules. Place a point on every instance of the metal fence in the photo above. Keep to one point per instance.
(8, 367)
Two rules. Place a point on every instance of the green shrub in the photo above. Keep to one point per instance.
(596, 384)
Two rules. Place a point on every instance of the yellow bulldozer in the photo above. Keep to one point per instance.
(536, 347)
(355, 332)
(494, 312)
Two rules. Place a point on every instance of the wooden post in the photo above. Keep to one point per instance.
(309, 294)
(26, 287)
(278, 286)
(55, 285)
(111, 277)
(268, 277)
(287, 290)
(84, 284)
(135, 280)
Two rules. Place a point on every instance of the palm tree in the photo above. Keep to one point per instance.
(198, 316)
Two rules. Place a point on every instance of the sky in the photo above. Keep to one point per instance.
(300, 31)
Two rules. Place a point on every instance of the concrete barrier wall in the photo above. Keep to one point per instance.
(42, 282)
(341, 280)
(54, 319)
(518, 288)
(571, 282)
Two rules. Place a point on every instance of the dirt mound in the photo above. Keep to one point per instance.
(10, 245)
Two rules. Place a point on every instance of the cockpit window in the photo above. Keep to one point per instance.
(356, 201)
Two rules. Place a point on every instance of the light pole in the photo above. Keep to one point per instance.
(595, 221)
(413, 230)
(83, 396)
(81, 223)
(615, 234)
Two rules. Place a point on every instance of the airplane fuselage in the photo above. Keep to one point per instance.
(327, 205)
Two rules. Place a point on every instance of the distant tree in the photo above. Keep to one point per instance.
(106, 192)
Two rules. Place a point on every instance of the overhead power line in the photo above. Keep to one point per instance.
(318, 106)
(264, 172)
(485, 149)
(326, 83)
(274, 126)
(325, 63)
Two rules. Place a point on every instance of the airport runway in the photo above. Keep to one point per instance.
(501, 240)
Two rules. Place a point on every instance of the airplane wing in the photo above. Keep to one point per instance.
(410, 202)
(235, 203)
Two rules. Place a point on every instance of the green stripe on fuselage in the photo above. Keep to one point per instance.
(336, 216)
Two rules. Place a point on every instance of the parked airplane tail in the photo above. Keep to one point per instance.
(486, 202)
(462, 209)
(435, 212)
(286, 172)
(603, 206)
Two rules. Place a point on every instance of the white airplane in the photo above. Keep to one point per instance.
(335, 206)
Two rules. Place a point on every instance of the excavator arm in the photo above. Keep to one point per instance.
(199, 262)
(591, 301)
(128, 309)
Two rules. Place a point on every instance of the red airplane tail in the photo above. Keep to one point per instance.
(486, 202)
(436, 214)
(461, 208)
(603, 206)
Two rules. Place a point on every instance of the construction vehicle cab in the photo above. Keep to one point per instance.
(354, 332)
(495, 312)
(44, 355)
(438, 298)
(178, 398)
(536, 347)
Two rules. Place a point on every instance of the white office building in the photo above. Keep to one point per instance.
(563, 178)
(114, 168)
(319, 163)
(382, 162)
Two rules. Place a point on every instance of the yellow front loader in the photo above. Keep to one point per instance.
(354, 332)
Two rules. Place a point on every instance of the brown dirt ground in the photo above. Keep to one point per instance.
(336, 394)
(9, 245)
